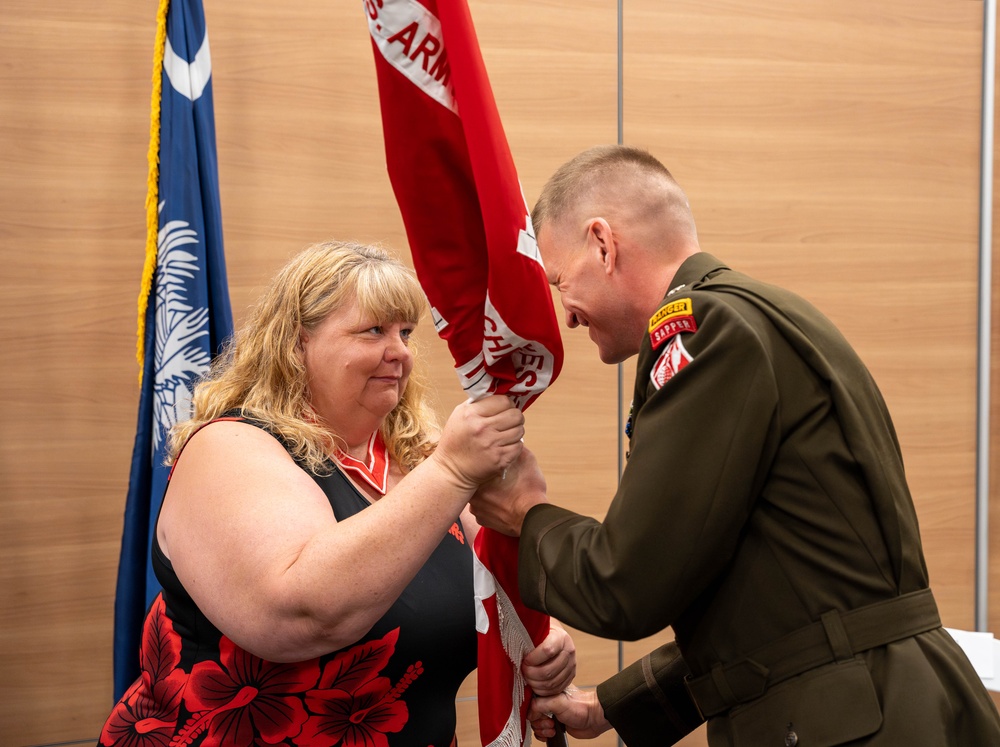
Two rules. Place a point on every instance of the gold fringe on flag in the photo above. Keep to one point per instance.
(152, 181)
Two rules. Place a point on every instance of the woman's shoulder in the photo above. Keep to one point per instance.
(233, 434)
(239, 416)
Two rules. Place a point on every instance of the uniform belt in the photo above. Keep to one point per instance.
(837, 636)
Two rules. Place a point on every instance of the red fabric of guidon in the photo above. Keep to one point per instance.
(473, 249)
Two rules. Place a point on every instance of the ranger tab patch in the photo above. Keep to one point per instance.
(673, 358)
(672, 318)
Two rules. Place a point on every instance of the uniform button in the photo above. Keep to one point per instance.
(791, 739)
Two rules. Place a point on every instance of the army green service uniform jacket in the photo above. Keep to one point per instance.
(765, 515)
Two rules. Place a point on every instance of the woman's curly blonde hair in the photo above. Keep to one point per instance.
(260, 372)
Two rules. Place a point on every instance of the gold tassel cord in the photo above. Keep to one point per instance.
(152, 181)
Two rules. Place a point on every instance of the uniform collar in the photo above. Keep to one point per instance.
(695, 269)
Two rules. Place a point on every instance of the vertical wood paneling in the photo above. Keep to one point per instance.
(833, 148)
(74, 113)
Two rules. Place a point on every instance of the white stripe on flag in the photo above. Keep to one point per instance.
(409, 38)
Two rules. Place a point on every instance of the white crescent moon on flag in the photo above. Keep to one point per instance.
(188, 78)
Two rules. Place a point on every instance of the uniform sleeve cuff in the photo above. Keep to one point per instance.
(647, 703)
(538, 521)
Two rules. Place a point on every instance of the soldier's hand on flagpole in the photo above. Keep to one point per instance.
(501, 504)
(579, 711)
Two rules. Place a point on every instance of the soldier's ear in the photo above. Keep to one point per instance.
(603, 243)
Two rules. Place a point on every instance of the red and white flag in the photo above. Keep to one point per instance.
(475, 255)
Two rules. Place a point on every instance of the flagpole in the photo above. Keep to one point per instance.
(985, 305)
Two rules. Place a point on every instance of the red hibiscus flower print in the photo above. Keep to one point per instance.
(147, 714)
(353, 705)
(358, 664)
(246, 694)
(141, 720)
(360, 718)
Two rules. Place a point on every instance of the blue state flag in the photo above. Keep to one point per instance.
(187, 311)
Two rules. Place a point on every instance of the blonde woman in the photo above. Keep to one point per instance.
(313, 545)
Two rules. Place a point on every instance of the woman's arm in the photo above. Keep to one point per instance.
(255, 543)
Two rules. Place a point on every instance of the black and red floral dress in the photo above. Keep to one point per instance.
(395, 687)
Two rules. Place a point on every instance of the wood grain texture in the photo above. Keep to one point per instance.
(832, 149)
(828, 147)
(74, 96)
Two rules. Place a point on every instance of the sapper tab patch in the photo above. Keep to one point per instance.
(672, 318)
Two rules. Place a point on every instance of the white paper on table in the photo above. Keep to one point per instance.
(983, 651)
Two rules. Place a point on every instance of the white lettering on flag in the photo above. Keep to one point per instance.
(476, 381)
(188, 79)
(439, 321)
(526, 243)
(533, 362)
(409, 37)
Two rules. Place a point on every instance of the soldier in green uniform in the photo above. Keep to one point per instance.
(763, 512)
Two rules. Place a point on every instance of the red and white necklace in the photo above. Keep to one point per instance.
(374, 470)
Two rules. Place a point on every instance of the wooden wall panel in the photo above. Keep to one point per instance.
(74, 113)
(830, 147)
(833, 148)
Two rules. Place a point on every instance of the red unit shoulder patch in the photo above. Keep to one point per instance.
(673, 358)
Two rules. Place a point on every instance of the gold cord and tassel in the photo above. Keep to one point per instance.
(152, 182)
